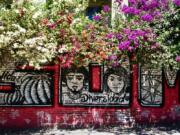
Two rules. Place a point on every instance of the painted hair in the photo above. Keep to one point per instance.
(82, 70)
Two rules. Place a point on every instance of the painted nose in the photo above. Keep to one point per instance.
(74, 80)
(116, 82)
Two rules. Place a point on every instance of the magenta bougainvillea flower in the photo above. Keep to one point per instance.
(124, 45)
(96, 17)
(52, 25)
(147, 17)
(130, 10)
(78, 40)
(176, 2)
(178, 58)
(118, 36)
(106, 8)
(110, 35)
(113, 57)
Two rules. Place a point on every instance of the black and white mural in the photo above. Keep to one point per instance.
(75, 89)
(171, 76)
(150, 86)
(30, 88)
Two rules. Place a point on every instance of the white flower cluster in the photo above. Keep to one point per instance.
(63, 49)
(76, 5)
(78, 23)
(8, 38)
(23, 34)
(39, 49)
(36, 50)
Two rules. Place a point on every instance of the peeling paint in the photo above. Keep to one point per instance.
(27, 121)
(65, 119)
(77, 120)
(43, 118)
(172, 115)
(125, 118)
(145, 113)
(107, 117)
(176, 109)
(14, 114)
(3, 121)
(175, 112)
(121, 116)
(95, 115)
(163, 117)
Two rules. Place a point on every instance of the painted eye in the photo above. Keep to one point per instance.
(79, 78)
(70, 78)
(111, 78)
(120, 79)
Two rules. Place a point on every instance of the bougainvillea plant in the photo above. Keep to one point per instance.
(151, 30)
(168, 31)
(33, 33)
(21, 36)
(59, 32)
(97, 43)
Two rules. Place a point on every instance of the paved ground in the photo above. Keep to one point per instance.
(103, 131)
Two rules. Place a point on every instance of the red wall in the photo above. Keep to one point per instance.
(72, 116)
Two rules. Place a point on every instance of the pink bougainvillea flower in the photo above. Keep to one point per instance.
(178, 58)
(130, 10)
(119, 36)
(132, 1)
(96, 17)
(112, 57)
(110, 35)
(132, 37)
(45, 21)
(106, 8)
(147, 17)
(130, 48)
(52, 25)
(155, 46)
(176, 2)
(124, 45)
(115, 64)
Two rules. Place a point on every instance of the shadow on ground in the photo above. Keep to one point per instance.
(111, 130)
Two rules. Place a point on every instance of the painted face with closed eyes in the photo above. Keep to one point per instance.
(115, 83)
(75, 82)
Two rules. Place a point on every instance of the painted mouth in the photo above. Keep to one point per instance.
(117, 88)
(75, 87)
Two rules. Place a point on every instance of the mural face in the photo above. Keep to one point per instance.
(31, 88)
(150, 87)
(115, 83)
(76, 90)
(75, 82)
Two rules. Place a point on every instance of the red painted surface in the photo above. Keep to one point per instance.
(6, 88)
(95, 77)
(33, 117)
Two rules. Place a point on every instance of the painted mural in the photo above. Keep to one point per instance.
(30, 88)
(75, 89)
(171, 76)
(111, 87)
(150, 87)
